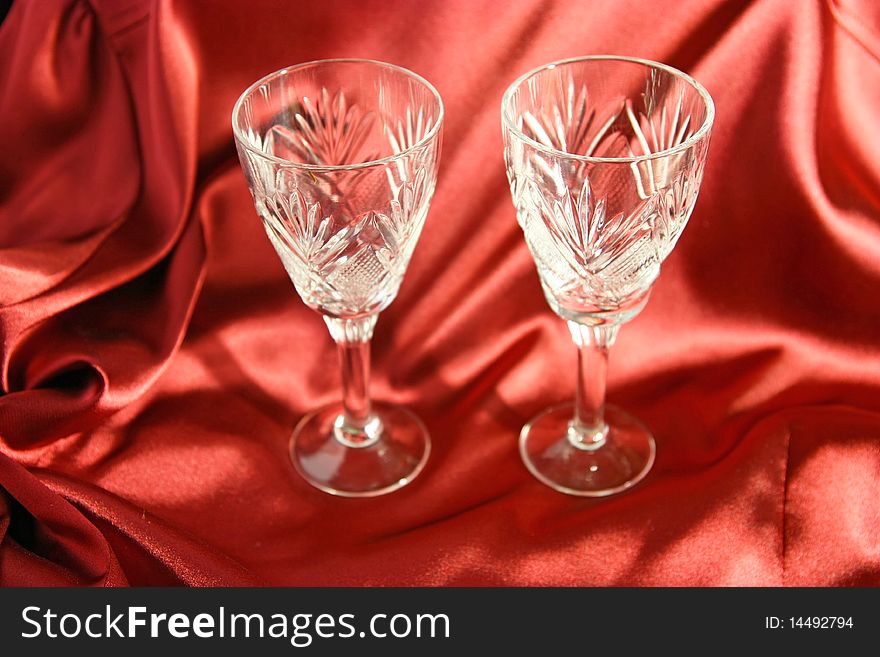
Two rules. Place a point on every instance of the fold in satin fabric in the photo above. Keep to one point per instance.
(155, 356)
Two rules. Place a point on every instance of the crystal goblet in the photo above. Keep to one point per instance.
(341, 160)
(604, 156)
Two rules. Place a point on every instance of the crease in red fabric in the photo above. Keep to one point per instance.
(45, 540)
(94, 338)
(155, 357)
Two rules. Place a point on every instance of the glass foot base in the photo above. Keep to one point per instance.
(618, 463)
(392, 459)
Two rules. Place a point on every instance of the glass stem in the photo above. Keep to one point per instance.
(354, 358)
(356, 426)
(587, 429)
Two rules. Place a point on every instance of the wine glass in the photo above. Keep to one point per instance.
(604, 157)
(341, 160)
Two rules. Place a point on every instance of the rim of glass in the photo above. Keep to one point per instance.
(241, 139)
(686, 144)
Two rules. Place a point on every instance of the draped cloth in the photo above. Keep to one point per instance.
(155, 356)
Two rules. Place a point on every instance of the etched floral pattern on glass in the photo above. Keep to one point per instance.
(599, 232)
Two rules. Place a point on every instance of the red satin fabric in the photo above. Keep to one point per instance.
(155, 356)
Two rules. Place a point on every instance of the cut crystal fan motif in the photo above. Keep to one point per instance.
(570, 121)
(326, 131)
(359, 267)
(595, 248)
(330, 131)
(594, 252)
(344, 260)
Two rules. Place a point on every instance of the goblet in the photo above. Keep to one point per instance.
(341, 160)
(604, 157)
